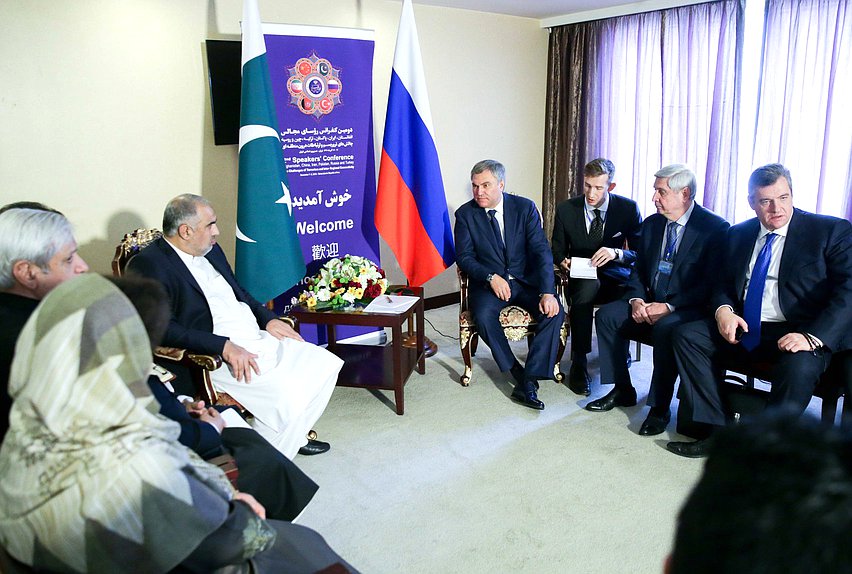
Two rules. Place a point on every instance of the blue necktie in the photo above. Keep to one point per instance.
(754, 296)
(495, 228)
(664, 270)
(671, 240)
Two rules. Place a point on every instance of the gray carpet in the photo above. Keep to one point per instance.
(468, 481)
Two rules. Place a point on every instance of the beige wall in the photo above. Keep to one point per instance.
(105, 115)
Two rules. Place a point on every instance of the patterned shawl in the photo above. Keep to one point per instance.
(91, 478)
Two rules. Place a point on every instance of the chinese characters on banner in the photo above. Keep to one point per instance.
(322, 84)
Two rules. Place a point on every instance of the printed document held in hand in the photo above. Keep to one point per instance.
(582, 268)
(394, 304)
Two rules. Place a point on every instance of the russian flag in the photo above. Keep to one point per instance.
(411, 207)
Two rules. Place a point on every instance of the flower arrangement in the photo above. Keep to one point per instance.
(344, 283)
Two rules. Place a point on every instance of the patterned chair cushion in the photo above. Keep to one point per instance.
(515, 321)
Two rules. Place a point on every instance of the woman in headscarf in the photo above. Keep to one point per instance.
(264, 472)
(93, 480)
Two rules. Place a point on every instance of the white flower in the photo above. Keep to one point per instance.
(323, 295)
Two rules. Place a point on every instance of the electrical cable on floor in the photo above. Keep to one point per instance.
(439, 332)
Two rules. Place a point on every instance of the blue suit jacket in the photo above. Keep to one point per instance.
(191, 324)
(815, 278)
(529, 258)
(694, 266)
(570, 237)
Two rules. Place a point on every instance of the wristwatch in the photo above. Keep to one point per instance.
(489, 277)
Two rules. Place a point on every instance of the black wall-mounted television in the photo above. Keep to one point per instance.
(225, 78)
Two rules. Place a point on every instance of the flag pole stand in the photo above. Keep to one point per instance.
(409, 340)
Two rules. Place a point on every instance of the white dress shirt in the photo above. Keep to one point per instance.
(617, 254)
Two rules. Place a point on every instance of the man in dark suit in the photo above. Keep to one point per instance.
(37, 252)
(594, 226)
(283, 381)
(501, 245)
(668, 286)
(785, 297)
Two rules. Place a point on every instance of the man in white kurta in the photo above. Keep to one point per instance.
(282, 380)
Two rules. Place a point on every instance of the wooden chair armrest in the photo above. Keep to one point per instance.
(207, 362)
(198, 366)
(176, 355)
(561, 278)
(228, 465)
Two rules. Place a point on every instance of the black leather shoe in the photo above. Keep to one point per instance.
(579, 379)
(314, 447)
(526, 395)
(697, 449)
(617, 397)
(654, 424)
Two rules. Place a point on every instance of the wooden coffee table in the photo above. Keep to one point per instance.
(385, 367)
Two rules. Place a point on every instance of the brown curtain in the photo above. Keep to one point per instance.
(565, 121)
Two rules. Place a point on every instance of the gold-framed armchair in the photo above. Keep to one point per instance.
(517, 324)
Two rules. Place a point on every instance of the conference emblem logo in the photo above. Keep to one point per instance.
(314, 86)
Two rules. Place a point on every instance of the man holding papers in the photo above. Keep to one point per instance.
(669, 285)
(590, 231)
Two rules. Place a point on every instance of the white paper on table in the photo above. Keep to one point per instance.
(234, 420)
(395, 304)
(582, 268)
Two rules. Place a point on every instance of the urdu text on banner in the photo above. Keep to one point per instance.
(322, 84)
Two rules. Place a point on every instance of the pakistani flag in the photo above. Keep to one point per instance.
(269, 258)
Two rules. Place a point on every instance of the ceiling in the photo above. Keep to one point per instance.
(558, 12)
(538, 9)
